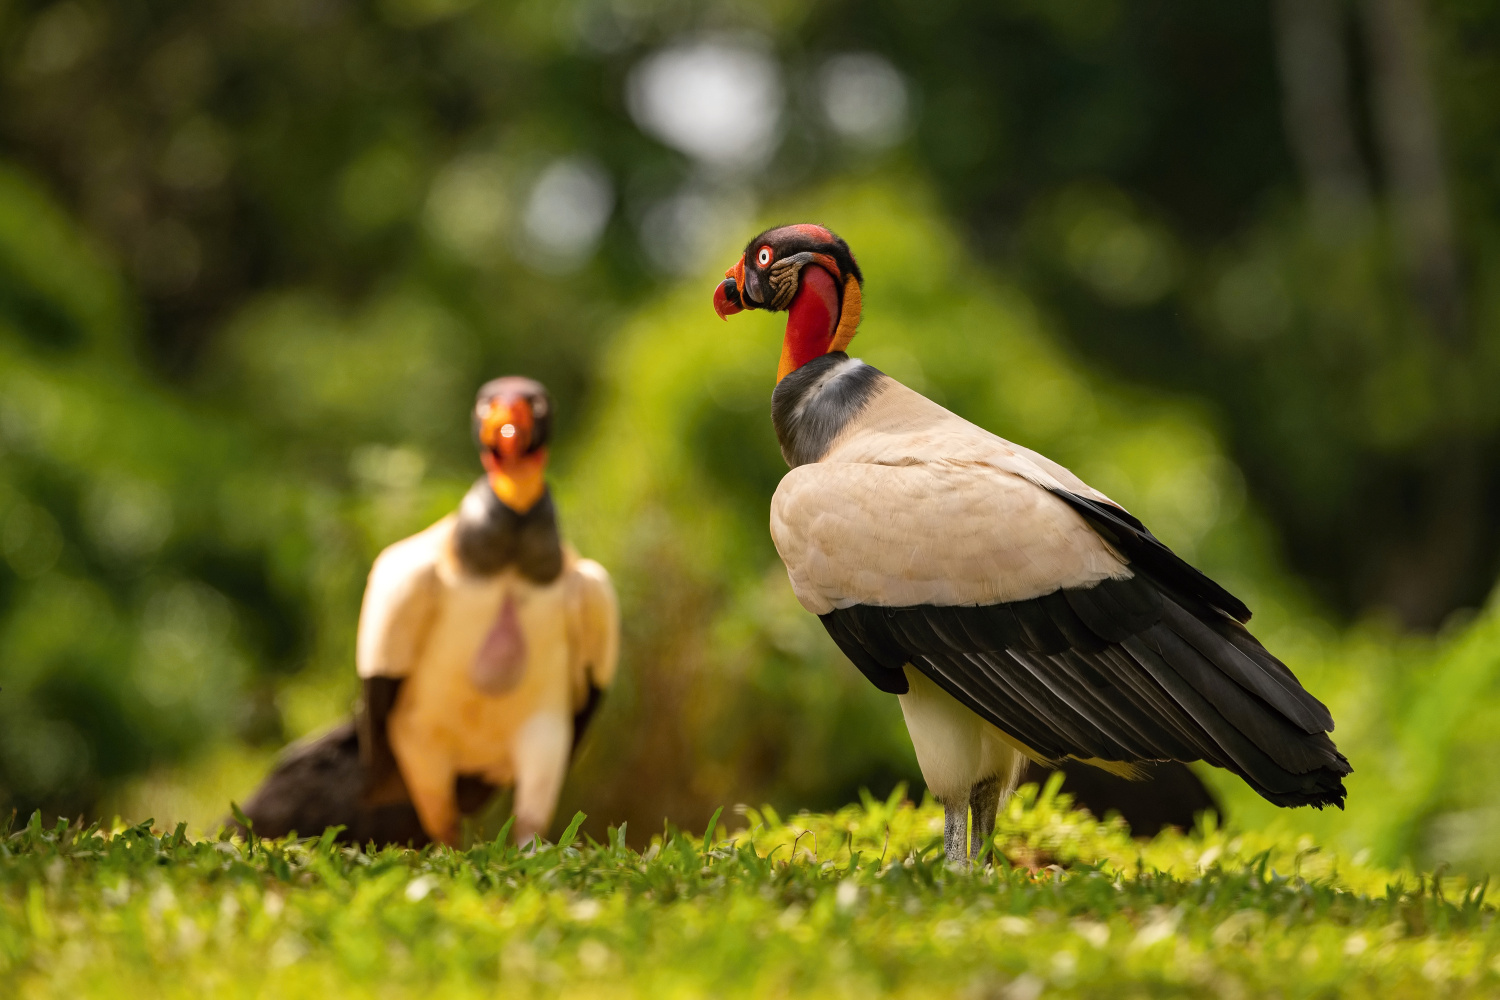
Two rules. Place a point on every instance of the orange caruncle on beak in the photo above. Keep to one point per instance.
(505, 432)
(729, 295)
(516, 475)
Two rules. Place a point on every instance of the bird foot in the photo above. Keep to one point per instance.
(965, 845)
(956, 834)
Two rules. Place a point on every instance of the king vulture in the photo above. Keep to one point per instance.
(485, 644)
(1015, 611)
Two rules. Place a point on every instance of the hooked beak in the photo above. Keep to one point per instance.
(727, 298)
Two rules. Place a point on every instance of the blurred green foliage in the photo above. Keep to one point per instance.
(254, 258)
(1281, 209)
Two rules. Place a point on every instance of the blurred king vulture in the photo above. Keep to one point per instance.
(485, 643)
(1015, 611)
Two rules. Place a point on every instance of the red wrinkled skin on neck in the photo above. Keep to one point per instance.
(811, 320)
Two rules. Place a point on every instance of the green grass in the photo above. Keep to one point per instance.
(854, 904)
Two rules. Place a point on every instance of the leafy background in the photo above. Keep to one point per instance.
(1233, 263)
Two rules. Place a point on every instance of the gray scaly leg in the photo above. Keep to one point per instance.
(956, 832)
(984, 801)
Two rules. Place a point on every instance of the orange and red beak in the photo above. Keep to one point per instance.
(505, 429)
(728, 298)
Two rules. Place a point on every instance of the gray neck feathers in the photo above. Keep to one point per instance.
(490, 537)
(813, 405)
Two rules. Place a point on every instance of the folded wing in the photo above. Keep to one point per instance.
(593, 616)
(1052, 614)
(400, 602)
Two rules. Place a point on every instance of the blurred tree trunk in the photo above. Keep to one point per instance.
(1421, 569)
(1407, 130)
(1422, 573)
(1314, 68)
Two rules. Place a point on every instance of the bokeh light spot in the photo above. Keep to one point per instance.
(717, 101)
(865, 99)
(567, 211)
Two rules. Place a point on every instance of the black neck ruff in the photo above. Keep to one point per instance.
(491, 537)
(812, 405)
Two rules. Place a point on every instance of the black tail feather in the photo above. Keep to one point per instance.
(321, 783)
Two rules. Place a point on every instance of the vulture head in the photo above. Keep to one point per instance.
(807, 272)
(512, 422)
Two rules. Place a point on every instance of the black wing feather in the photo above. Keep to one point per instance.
(1042, 634)
(865, 651)
(990, 628)
(1133, 736)
(585, 715)
(1154, 667)
(1051, 700)
(321, 783)
(983, 687)
(1239, 753)
(381, 776)
(1181, 736)
(1131, 538)
(1075, 631)
(1290, 699)
(1103, 736)
(1266, 728)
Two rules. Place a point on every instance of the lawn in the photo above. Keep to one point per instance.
(853, 904)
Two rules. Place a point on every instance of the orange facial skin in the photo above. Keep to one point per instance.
(516, 473)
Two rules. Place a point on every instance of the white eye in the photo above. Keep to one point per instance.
(764, 257)
(508, 431)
